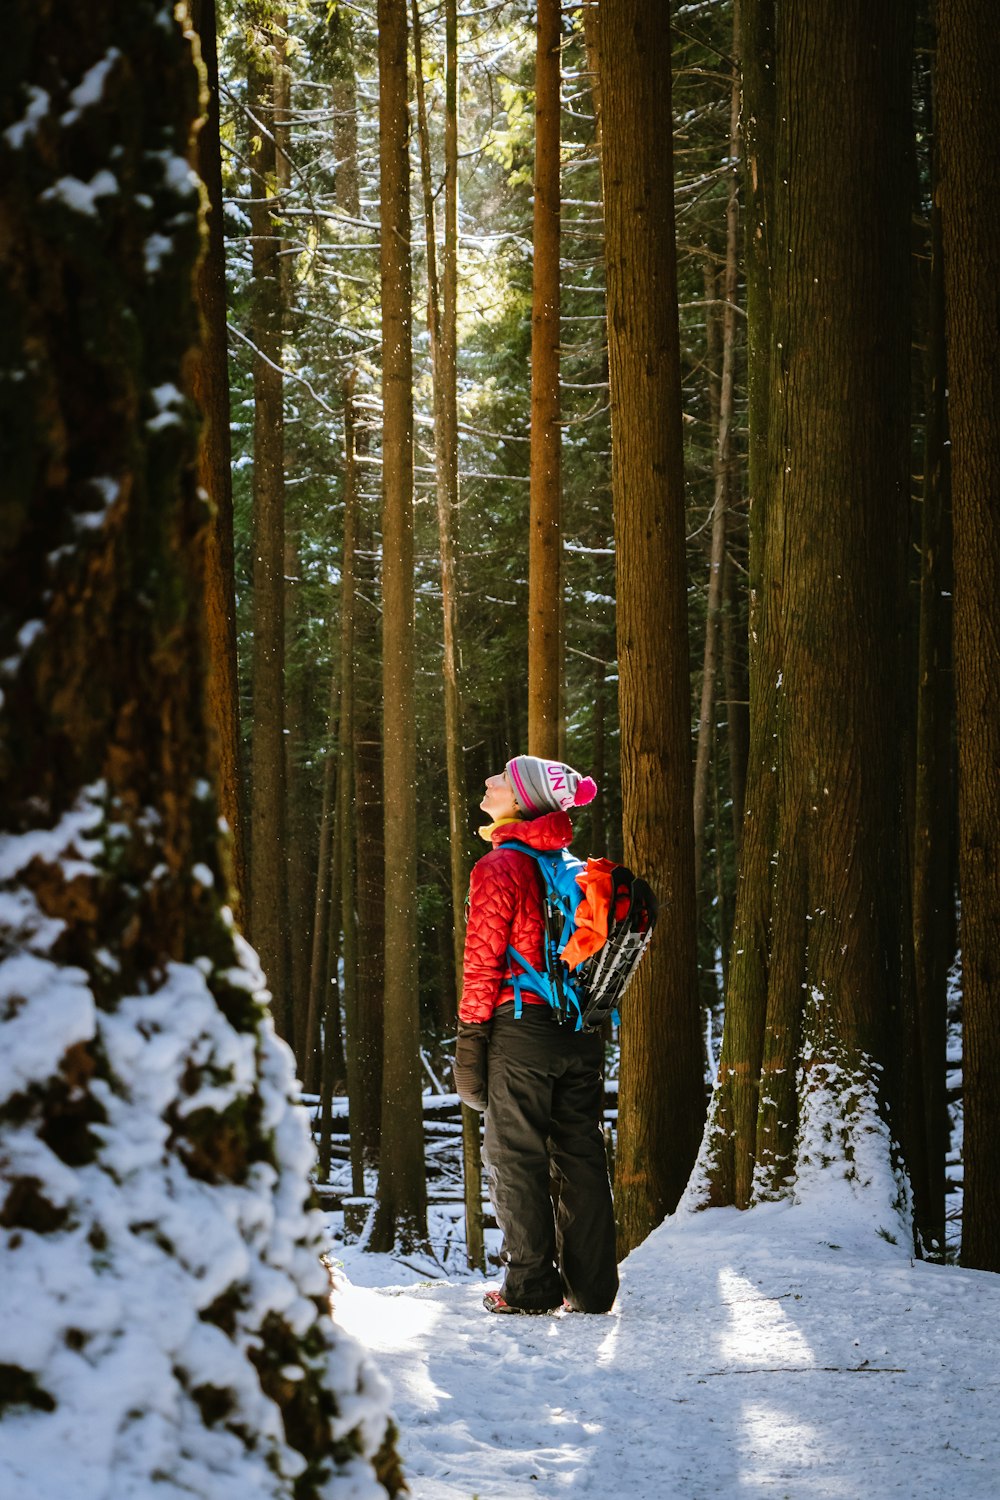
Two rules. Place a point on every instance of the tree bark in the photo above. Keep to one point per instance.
(734, 669)
(545, 532)
(346, 811)
(324, 911)
(268, 887)
(210, 388)
(368, 843)
(661, 1100)
(442, 322)
(735, 1100)
(153, 1079)
(401, 1207)
(333, 1068)
(814, 975)
(722, 476)
(934, 801)
(299, 805)
(968, 98)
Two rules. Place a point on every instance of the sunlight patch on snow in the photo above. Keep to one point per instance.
(760, 1331)
(607, 1348)
(386, 1319)
(781, 1446)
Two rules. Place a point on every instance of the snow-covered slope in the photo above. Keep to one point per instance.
(763, 1354)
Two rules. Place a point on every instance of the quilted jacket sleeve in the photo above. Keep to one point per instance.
(492, 901)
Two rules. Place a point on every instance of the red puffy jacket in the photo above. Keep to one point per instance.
(505, 910)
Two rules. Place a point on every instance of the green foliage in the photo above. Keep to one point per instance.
(333, 326)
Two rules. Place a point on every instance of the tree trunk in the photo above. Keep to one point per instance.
(734, 671)
(268, 887)
(300, 810)
(442, 322)
(210, 388)
(661, 1101)
(324, 911)
(348, 821)
(722, 474)
(369, 846)
(545, 533)
(969, 122)
(735, 1099)
(401, 1208)
(333, 1069)
(143, 1073)
(598, 808)
(814, 974)
(934, 843)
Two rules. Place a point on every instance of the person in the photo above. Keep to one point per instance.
(540, 1082)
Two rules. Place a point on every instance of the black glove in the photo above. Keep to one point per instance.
(470, 1063)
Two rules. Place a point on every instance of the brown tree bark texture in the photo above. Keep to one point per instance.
(101, 625)
(347, 917)
(324, 910)
(401, 1211)
(968, 98)
(661, 1100)
(934, 841)
(359, 808)
(268, 886)
(369, 845)
(827, 669)
(210, 387)
(300, 812)
(721, 466)
(734, 1105)
(442, 319)
(544, 527)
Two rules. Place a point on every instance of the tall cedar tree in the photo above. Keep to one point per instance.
(268, 873)
(969, 121)
(934, 833)
(723, 413)
(442, 319)
(360, 757)
(347, 916)
(661, 1099)
(401, 1210)
(814, 971)
(210, 386)
(545, 531)
(143, 1090)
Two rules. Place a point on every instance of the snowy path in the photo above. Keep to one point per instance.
(747, 1356)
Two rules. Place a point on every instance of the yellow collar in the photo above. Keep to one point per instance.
(487, 832)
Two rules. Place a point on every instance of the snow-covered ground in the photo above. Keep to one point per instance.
(763, 1354)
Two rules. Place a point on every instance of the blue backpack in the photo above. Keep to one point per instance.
(592, 991)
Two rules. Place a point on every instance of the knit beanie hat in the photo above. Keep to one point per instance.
(548, 786)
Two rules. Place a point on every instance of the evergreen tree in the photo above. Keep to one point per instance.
(661, 1102)
(155, 1161)
(401, 1213)
(969, 115)
(814, 978)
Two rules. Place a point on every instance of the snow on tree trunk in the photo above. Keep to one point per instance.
(164, 1315)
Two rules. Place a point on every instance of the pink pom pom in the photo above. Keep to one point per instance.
(586, 791)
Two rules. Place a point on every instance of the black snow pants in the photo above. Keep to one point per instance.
(545, 1097)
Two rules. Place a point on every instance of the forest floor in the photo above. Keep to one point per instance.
(789, 1353)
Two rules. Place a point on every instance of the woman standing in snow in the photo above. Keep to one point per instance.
(540, 1083)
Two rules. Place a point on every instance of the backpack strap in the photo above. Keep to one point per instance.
(562, 997)
(529, 979)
